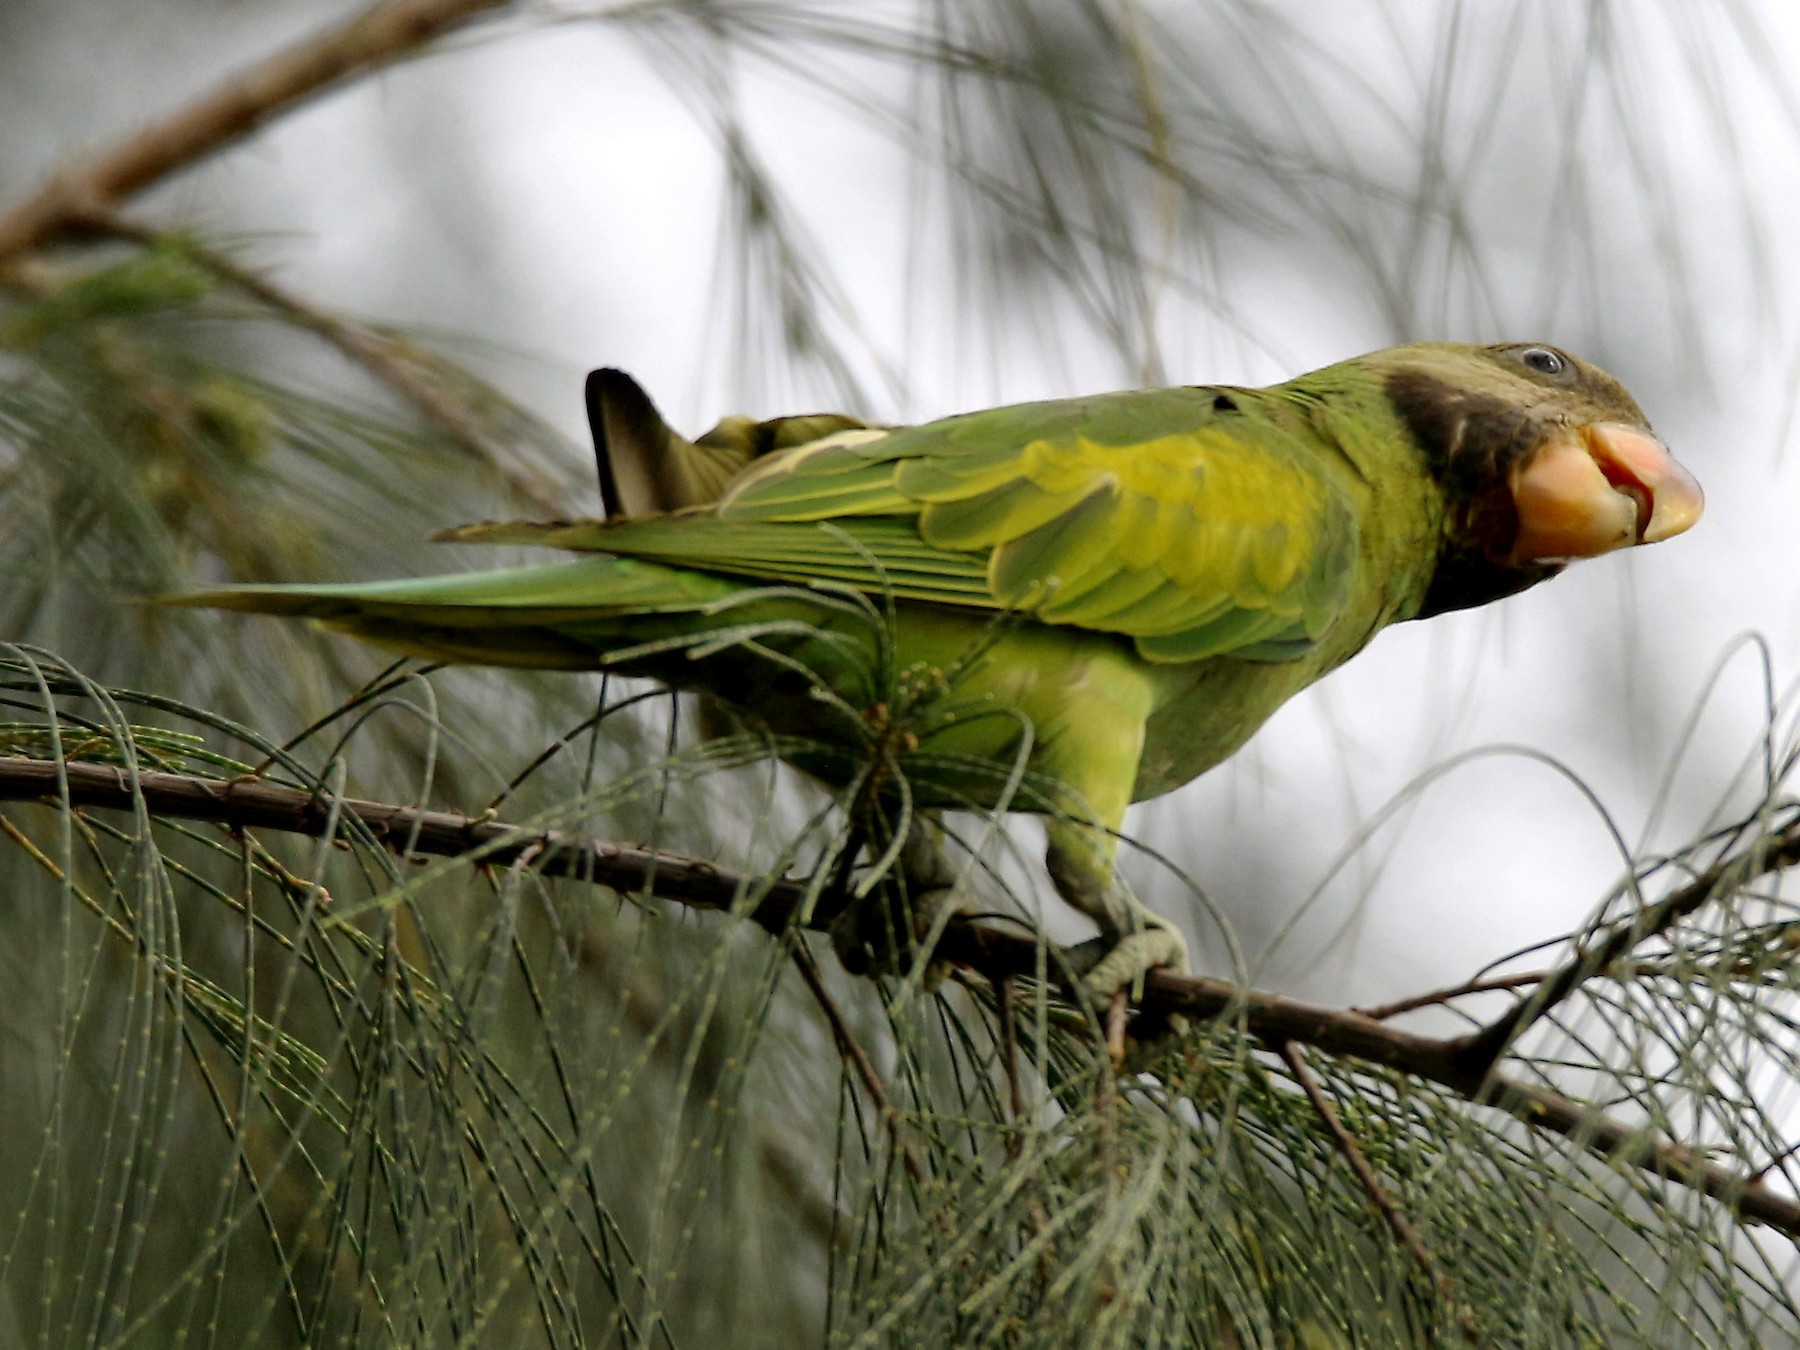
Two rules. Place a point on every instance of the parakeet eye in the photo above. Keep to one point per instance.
(1543, 360)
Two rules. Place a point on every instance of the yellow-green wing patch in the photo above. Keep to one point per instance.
(1154, 516)
(1226, 539)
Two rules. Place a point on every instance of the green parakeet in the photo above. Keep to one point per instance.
(1115, 591)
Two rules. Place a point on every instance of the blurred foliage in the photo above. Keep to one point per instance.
(145, 443)
(268, 1090)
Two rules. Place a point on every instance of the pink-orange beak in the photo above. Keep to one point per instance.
(1610, 486)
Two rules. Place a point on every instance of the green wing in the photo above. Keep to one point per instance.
(1193, 528)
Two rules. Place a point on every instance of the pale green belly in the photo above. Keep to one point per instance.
(1076, 687)
(1071, 705)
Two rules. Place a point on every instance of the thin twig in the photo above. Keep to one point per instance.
(643, 1005)
(1118, 1013)
(1006, 1000)
(1498, 983)
(1009, 1058)
(380, 36)
(994, 951)
(1482, 1050)
(1404, 1233)
(852, 1050)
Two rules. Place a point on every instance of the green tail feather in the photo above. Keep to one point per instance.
(597, 613)
(564, 590)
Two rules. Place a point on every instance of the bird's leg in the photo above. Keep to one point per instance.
(1133, 938)
(879, 935)
(1092, 746)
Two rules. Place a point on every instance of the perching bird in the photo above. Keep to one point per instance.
(1112, 592)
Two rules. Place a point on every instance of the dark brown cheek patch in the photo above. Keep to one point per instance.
(1469, 440)
(1465, 580)
(1451, 427)
(1424, 404)
(1493, 523)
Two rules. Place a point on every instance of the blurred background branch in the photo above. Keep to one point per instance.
(78, 196)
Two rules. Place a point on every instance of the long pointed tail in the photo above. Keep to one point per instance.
(565, 616)
(752, 644)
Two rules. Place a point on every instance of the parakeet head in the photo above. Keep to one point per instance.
(1543, 458)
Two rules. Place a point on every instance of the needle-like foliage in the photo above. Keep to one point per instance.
(465, 1097)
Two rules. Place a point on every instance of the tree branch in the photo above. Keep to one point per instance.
(381, 35)
(1484, 1048)
(995, 952)
(1493, 984)
(251, 803)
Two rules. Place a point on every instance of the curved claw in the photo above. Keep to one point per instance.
(1157, 943)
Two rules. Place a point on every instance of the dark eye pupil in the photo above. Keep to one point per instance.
(1547, 362)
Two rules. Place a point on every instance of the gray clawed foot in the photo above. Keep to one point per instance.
(1124, 963)
(1108, 967)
